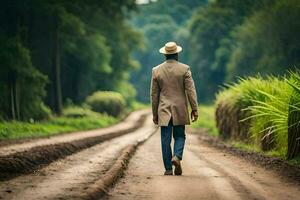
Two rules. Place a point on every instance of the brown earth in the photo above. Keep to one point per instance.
(279, 166)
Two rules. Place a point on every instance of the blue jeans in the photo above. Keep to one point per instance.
(166, 137)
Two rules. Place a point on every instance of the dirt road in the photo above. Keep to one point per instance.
(208, 173)
(70, 177)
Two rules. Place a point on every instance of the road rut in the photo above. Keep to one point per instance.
(69, 178)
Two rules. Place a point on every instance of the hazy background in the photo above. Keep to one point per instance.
(221, 39)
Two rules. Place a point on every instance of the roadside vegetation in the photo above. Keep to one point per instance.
(101, 109)
(75, 119)
(263, 113)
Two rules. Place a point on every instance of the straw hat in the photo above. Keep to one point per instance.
(170, 48)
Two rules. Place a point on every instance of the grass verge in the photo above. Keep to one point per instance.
(206, 119)
(73, 119)
(272, 153)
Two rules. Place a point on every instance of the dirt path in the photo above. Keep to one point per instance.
(208, 174)
(70, 177)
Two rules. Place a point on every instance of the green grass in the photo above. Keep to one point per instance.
(245, 147)
(206, 119)
(73, 119)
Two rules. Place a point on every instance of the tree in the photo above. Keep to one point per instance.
(211, 39)
(274, 48)
(21, 84)
(77, 44)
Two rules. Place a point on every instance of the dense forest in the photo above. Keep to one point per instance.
(55, 52)
(222, 39)
(58, 52)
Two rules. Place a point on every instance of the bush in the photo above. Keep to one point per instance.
(111, 103)
(79, 112)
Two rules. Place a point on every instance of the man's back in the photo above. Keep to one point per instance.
(173, 81)
(170, 76)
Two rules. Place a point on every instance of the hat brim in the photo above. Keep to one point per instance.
(163, 50)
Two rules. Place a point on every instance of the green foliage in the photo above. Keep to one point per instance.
(111, 103)
(244, 92)
(206, 119)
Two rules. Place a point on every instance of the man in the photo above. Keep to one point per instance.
(172, 86)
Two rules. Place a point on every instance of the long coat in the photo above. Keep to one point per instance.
(172, 87)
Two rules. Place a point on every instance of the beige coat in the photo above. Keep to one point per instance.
(172, 86)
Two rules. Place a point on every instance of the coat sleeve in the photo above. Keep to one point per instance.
(154, 93)
(190, 89)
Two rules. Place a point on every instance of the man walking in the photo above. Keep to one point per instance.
(172, 87)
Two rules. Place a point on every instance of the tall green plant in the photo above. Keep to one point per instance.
(294, 117)
(269, 117)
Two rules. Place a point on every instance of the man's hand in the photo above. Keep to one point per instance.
(155, 120)
(194, 115)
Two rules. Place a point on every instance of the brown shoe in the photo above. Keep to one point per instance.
(176, 163)
(168, 172)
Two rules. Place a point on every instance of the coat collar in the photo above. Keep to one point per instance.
(171, 61)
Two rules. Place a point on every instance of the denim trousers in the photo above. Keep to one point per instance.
(179, 141)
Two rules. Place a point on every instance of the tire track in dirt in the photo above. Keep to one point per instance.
(248, 179)
(71, 177)
(237, 185)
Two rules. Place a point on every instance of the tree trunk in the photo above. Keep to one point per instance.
(14, 100)
(56, 71)
(17, 100)
(12, 104)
